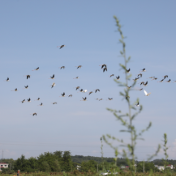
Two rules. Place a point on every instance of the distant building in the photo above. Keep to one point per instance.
(78, 167)
(162, 167)
(3, 165)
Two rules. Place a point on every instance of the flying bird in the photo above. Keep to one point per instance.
(100, 99)
(77, 87)
(135, 79)
(63, 67)
(140, 75)
(84, 99)
(26, 87)
(79, 66)
(141, 83)
(76, 77)
(96, 90)
(103, 65)
(105, 69)
(53, 85)
(41, 104)
(85, 91)
(137, 104)
(110, 98)
(128, 71)
(36, 69)
(7, 79)
(29, 100)
(140, 89)
(34, 114)
(15, 90)
(28, 76)
(81, 90)
(63, 94)
(146, 94)
(111, 75)
(52, 77)
(61, 46)
(161, 80)
(70, 95)
(23, 101)
(90, 92)
(38, 98)
(118, 77)
(168, 80)
(54, 102)
(145, 84)
(143, 70)
(166, 76)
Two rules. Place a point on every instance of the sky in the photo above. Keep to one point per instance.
(30, 33)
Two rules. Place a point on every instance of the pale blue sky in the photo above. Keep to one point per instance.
(30, 33)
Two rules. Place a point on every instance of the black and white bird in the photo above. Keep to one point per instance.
(63, 67)
(38, 98)
(146, 83)
(140, 75)
(61, 46)
(143, 70)
(34, 114)
(118, 77)
(52, 77)
(29, 100)
(70, 95)
(135, 79)
(137, 104)
(15, 90)
(28, 76)
(141, 83)
(7, 79)
(26, 87)
(166, 76)
(146, 94)
(77, 87)
(103, 66)
(84, 98)
(23, 101)
(79, 66)
(140, 89)
(53, 85)
(110, 98)
(76, 77)
(90, 92)
(168, 81)
(36, 69)
(161, 80)
(111, 75)
(63, 94)
(154, 78)
(54, 102)
(41, 104)
(96, 90)
(128, 71)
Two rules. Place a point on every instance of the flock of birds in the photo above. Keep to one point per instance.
(104, 68)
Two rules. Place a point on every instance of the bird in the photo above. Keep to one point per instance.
(140, 75)
(100, 99)
(26, 87)
(143, 70)
(28, 76)
(61, 46)
(128, 71)
(147, 94)
(23, 101)
(54, 102)
(166, 76)
(81, 90)
(151, 77)
(63, 94)
(85, 91)
(154, 78)
(137, 104)
(36, 69)
(140, 89)
(104, 69)
(63, 67)
(110, 98)
(41, 104)
(111, 75)
(103, 65)
(79, 66)
(129, 87)
(168, 80)
(38, 98)
(7, 79)
(52, 77)
(161, 80)
(117, 77)
(96, 90)
(29, 100)
(53, 85)
(135, 79)
(90, 92)
(76, 77)
(77, 87)
(34, 114)
(70, 95)
(145, 84)
(84, 99)
(141, 83)
(15, 90)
